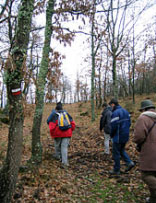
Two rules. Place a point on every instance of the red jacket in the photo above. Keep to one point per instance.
(55, 130)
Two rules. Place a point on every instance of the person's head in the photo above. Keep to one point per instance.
(146, 105)
(113, 102)
(104, 105)
(58, 106)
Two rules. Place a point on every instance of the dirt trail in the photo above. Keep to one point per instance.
(49, 183)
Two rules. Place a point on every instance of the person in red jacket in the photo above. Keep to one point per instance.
(61, 137)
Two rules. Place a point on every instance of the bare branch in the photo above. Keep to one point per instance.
(4, 8)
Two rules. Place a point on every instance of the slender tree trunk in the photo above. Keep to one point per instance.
(129, 75)
(100, 92)
(134, 63)
(92, 82)
(2, 93)
(154, 53)
(154, 68)
(105, 77)
(96, 93)
(93, 71)
(104, 86)
(41, 81)
(133, 81)
(115, 84)
(9, 171)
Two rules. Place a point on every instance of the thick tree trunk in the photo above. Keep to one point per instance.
(41, 81)
(9, 171)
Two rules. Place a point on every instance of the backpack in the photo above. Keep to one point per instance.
(63, 121)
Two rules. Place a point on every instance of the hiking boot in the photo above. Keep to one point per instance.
(147, 199)
(151, 200)
(112, 172)
(106, 157)
(130, 166)
(64, 166)
(54, 156)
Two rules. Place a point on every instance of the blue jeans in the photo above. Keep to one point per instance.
(119, 152)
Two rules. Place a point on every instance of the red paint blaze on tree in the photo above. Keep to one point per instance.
(16, 91)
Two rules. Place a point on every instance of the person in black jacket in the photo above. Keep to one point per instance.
(105, 123)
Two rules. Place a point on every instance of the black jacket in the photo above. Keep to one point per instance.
(105, 120)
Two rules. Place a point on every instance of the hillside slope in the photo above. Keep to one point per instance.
(87, 179)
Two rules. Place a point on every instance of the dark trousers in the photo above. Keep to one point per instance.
(149, 177)
(119, 152)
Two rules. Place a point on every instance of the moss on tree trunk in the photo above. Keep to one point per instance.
(9, 171)
(41, 81)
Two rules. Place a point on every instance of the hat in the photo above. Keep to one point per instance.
(113, 101)
(146, 104)
(59, 106)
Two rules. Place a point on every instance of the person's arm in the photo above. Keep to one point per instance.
(140, 131)
(51, 116)
(52, 126)
(129, 119)
(73, 125)
(114, 123)
(101, 123)
(108, 122)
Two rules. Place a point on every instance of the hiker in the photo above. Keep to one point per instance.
(61, 137)
(106, 125)
(120, 125)
(145, 136)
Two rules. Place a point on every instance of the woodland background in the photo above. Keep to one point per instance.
(121, 64)
(87, 179)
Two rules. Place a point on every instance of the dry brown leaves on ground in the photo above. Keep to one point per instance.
(88, 168)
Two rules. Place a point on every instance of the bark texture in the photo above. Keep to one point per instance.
(15, 63)
(40, 91)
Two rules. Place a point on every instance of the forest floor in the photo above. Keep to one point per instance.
(87, 179)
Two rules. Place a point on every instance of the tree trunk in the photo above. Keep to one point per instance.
(2, 93)
(100, 91)
(134, 63)
(93, 69)
(92, 83)
(129, 75)
(115, 85)
(41, 81)
(9, 171)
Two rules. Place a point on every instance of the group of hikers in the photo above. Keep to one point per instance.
(115, 121)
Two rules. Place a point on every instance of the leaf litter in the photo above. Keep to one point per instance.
(87, 178)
